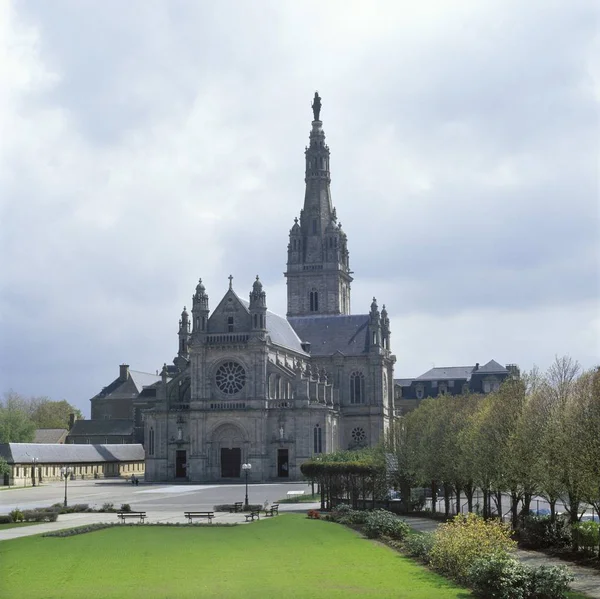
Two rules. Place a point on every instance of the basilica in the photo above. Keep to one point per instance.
(249, 386)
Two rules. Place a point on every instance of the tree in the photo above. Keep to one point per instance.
(15, 424)
(590, 410)
(46, 413)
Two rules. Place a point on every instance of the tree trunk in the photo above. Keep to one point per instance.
(447, 493)
(486, 504)
(433, 497)
(498, 502)
(514, 508)
(405, 493)
(527, 497)
(470, 492)
(552, 503)
(458, 491)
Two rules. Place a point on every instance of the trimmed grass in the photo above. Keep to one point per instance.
(17, 524)
(287, 556)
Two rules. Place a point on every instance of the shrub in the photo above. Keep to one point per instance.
(585, 534)
(107, 507)
(549, 582)
(125, 507)
(5, 519)
(313, 514)
(342, 509)
(380, 523)
(540, 532)
(458, 543)
(16, 515)
(40, 515)
(419, 546)
(500, 577)
(354, 517)
(226, 507)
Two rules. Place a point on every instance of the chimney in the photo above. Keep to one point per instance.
(123, 372)
(72, 419)
(476, 367)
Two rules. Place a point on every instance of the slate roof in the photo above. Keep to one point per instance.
(330, 334)
(280, 331)
(131, 387)
(50, 435)
(447, 373)
(104, 427)
(492, 367)
(56, 453)
(403, 382)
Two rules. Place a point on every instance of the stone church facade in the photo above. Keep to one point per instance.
(250, 386)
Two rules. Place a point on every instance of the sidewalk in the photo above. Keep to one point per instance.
(586, 581)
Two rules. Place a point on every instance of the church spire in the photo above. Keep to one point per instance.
(318, 269)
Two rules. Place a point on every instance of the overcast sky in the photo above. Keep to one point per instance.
(144, 144)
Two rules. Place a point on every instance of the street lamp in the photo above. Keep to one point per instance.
(33, 463)
(246, 468)
(65, 471)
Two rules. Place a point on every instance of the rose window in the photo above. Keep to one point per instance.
(359, 435)
(231, 378)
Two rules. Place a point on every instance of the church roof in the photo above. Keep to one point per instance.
(327, 335)
(131, 387)
(116, 426)
(57, 453)
(280, 331)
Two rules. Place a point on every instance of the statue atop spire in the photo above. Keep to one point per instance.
(316, 106)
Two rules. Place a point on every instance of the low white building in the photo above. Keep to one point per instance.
(34, 463)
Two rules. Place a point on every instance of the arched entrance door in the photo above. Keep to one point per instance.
(229, 440)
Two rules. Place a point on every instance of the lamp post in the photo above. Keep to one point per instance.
(246, 468)
(33, 463)
(65, 471)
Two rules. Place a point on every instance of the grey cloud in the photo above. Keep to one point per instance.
(464, 162)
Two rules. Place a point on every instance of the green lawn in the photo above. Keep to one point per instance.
(287, 556)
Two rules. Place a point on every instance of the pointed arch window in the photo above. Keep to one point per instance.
(357, 387)
(314, 300)
(151, 441)
(318, 439)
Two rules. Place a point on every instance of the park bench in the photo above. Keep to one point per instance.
(208, 515)
(252, 515)
(273, 510)
(124, 515)
(237, 507)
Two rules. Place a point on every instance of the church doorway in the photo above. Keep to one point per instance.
(181, 463)
(282, 463)
(231, 460)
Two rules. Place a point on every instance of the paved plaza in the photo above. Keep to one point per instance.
(162, 503)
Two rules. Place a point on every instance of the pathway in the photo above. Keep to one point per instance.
(586, 581)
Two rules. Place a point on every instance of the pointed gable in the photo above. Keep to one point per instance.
(492, 367)
(230, 316)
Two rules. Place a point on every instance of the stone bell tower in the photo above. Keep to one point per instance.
(318, 270)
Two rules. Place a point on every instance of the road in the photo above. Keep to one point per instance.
(145, 497)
